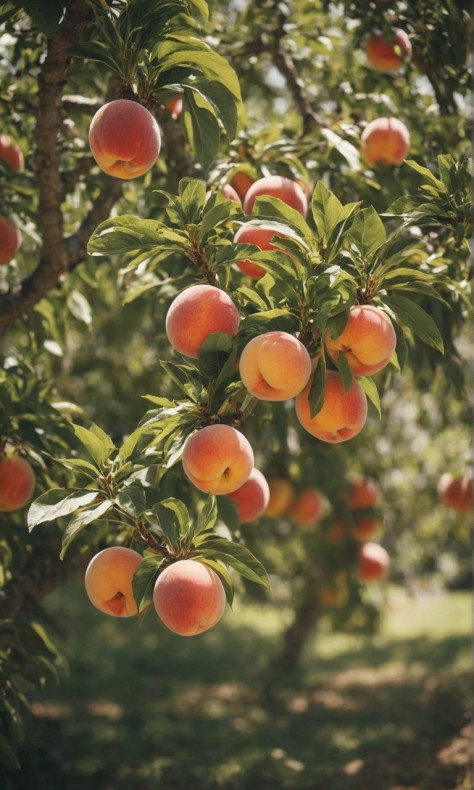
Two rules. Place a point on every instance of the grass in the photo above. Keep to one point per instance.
(143, 708)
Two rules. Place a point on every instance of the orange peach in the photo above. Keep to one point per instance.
(275, 366)
(124, 138)
(366, 527)
(282, 493)
(108, 581)
(10, 240)
(342, 415)
(388, 54)
(217, 459)
(197, 312)
(260, 236)
(252, 497)
(241, 182)
(189, 597)
(175, 106)
(280, 187)
(229, 192)
(11, 153)
(368, 340)
(308, 508)
(363, 492)
(456, 491)
(372, 562)
(17, 483)
(385, 140)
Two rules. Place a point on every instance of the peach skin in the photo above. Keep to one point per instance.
(197, 312)
(282, 493)
(363, 492)
(108, 581)
(275, 366)
(217, 459)
(385, 54)
(372, 561)
(367, 341)
(385, 140)
(252, 497)
(280, 187)
(124, 138)
(308, 508)
(11, 153)
(189, 597)
(261, 237)
(10, 240)
(17, 483)
(456, 492)
(342, 415)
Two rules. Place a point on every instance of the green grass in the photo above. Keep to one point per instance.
(143, 708)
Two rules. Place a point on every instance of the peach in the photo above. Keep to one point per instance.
(342, 415)
(10, 240)
(385, 140)
(308, 508)
(108, 580)
(17, 483)
(385, 54)
(197, 312)
(189, 597)
(241, 182)
(456, 491)
(372, 561)
(337, 532)
(275, 366)
(217, 459)
(363, 492)
(282, 493)
(11, 153)
(280, 187)
(229, 192)
(260, 236)
(124, 138)
(366, 527)
(252, 497)
(368, 340)
(175, 106)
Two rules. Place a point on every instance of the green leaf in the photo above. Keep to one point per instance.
(173, 518)
(144, 580)
(318, 387)
(235, 555)
(56, 503)
(83, 518)
(202, 128)
(370, 389)
(132, 499)
(344, 370)
(207, 516)
(268, 320)
(411, 315)
(46, 14)
(97, 444)
(214, 353)
(223, 574)
(427, 175)
(328, 211)
(222, 100)
(344, 148)
(367, 232)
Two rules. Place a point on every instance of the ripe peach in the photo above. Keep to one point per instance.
(229, 192)
(175, 106)
(260, 236)
(10, 240)
(363, 492)
(252, 497)
(108, 580)
(11, 153)
(282, 493)
(197, 312)
(280, 187)
(366, 527)
(241, 182)
(309, 507)
(372, 562)
(217, 459)
(456, 492)
(125, 139)
(342, 415)
(385, 140)
(385, 54)
(17, 483)
(368, 340)
(189, 597)
(275, 366)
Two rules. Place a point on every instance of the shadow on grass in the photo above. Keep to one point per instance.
(143, 708)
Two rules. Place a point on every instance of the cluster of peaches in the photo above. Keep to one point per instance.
(10, 235)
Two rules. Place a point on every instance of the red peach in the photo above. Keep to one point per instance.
(241, 182)
(260, 236)
(275, 366)
(229, 192)
(175, 106)
(197, 312)
(279, 187)
(385, 140)
(125, 139)
(366, 527)
(456, 492)
(10, 240)
(309, 507)
(372, 562)
(11, 153)
(108, 580)
(252, 497)
(217, 459)
(282, 493)
(385, 54)
(17, 483)
(189, 597)
(368, 340)
(363, 492)
(342, 415)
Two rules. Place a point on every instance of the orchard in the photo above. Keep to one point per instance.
(234, 332)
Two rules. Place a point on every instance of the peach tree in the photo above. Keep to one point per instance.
(96, 394)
